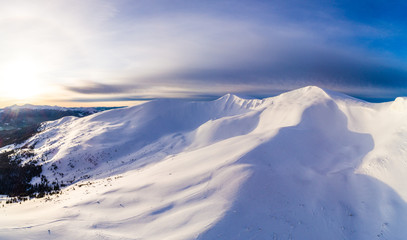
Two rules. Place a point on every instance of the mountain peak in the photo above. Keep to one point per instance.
(313, 90)
(228, 97)
(400, 104)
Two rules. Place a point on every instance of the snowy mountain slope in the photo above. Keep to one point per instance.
(308, 164)
(105, 141)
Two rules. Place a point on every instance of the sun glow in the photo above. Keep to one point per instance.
(20, 80)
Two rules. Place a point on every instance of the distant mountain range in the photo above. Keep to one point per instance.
(18, 122)
(58, 108)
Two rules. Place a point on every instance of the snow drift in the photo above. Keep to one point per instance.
(307, 164)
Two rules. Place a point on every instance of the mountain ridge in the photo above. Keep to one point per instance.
(309, 163)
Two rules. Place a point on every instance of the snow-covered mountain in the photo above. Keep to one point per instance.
(36, 107)
(307, 164)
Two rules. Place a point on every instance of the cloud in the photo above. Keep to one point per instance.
(279, 55)
(303, 45)
(273, 51)
(144, 49)
(100, 88)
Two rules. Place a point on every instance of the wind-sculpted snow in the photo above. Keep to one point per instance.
(307, 164)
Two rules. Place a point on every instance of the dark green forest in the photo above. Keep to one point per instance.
(15, 178)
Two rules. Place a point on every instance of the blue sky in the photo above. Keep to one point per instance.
(93, 52)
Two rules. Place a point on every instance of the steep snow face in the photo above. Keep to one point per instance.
(387, 125)
(307, 164)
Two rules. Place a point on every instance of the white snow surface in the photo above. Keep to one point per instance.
(307, 164)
